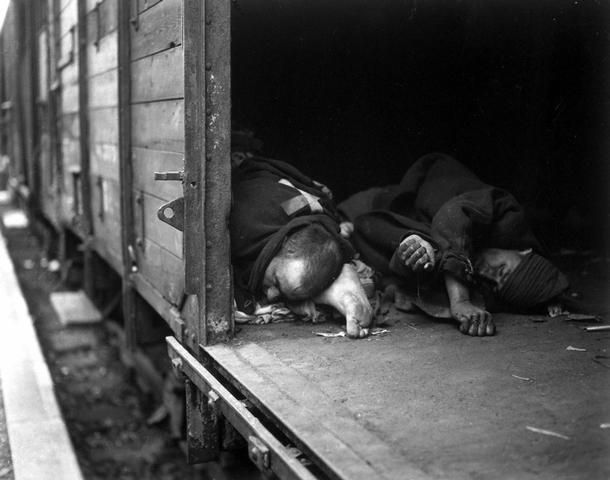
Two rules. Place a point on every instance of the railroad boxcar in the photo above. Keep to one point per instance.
(117, 120)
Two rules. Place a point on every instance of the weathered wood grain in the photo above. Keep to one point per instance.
(146, 4)
(69, 99)
(145, 162)
(68, 16)
(158, 77)
(105, 17)
(104, 57)
(70, 126)
(107, 251)
(103, 89)
(147, 225)
(69, 74)
(70, 154)
(68, 49)
(159, 125)
(159, 28)
(104, 160)
(104, 125)
(163, 270)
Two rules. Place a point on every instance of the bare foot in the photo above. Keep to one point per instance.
(416, 253)
(473, 320)
(348, 297)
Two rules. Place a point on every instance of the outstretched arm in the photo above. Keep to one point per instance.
(473, 320)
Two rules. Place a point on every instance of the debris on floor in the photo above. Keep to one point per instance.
(570, 348)
(525, 379)
(373, 331)
(582, 317)
(550, 433)
(597, 328)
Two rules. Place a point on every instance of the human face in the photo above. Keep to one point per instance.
(284, 279)
(496, 265)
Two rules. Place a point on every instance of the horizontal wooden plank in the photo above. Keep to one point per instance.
(159, 125)
(147, 225)
(159, 28)
(106, 200)
(163, 270)
(69, 99)
(158, 77)
(108, 251)
(70, 154)
(92, 3)
(68, 75)
(281, 460)
(104, 125)
(70, 126)
(105, 18)
(104, 160)
(168, 311)
(332, 437)
(63, 4)
(105, 56)
(103, 89)
(145, 162)
(68, 17)
(146, 4)
(107, 228)
(67, 50)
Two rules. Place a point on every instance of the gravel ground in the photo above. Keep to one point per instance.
(104, 410)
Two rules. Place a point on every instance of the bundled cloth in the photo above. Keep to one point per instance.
(308, 312)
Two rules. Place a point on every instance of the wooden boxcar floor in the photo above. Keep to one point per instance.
(442, 403)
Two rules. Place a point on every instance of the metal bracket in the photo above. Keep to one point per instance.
(172, 213)
(258, 452)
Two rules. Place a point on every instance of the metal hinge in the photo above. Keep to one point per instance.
(258, 452)
(172, 213)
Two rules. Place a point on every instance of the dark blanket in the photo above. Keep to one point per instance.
(446, 204)
(272, 199)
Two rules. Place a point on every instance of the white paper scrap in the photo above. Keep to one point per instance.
(546, 432)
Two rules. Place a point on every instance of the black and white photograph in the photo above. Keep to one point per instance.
(305, 239)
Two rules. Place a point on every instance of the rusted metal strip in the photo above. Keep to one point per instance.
(280, 460)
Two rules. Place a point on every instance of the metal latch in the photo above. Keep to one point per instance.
(172, 213)
(177, 176)
(258, 452)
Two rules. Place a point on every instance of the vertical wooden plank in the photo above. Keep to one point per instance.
(194, 146)
(207, 184)
(219, 319)
(127, 214)
(202, 426)
(86, 220)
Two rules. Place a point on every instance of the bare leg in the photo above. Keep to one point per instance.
(347, 296)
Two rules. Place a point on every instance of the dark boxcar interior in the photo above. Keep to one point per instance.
(354, 92)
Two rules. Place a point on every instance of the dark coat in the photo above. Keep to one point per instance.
(445, 203)
(271, 199)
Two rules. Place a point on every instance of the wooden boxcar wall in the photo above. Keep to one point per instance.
(103, 125)
(66, 15)
(157, 140)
